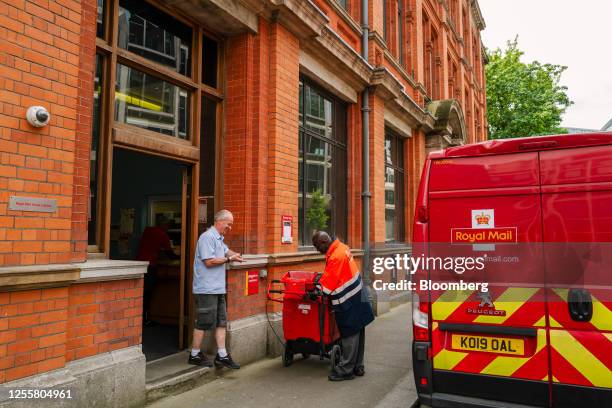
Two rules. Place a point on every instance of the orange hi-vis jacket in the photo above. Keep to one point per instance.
(342, 282)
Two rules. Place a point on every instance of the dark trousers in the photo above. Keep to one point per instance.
(353, 348)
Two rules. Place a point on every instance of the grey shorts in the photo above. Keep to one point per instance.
(211, 311)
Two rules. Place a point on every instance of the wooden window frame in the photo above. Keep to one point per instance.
(116, 134)
(400, 231)
(338, 125)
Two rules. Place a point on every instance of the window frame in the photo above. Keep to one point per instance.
(111, 55)
(399, 166)
(339, 125)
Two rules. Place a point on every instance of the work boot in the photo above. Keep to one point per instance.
(226, 362)
(359, 371)
(200, 360)
(339, 377)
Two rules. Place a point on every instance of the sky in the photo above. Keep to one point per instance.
(564, 32)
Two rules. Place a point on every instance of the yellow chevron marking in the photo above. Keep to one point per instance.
(578, 356)
(447, 359)
(448, 302)
(510, 301)
(608, 336)
(602, 316)
(553, 322)
(555, 379)
(506, 365)
(541, 322)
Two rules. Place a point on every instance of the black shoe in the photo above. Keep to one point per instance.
(339, 377)
(200, 360)
(359, 371)
(226, 362)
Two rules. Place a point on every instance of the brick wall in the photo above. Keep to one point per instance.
(40, 54)
(43, 329)
(377, 169)
(103, 316)
(283, 135)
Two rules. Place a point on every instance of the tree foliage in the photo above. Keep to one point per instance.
(523, 99)
(316, 216)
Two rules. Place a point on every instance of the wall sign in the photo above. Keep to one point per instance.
(286, 229)
(251, 286)
(32, 204)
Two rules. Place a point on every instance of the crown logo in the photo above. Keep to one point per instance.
(483, 219)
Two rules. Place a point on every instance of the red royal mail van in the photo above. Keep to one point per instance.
(538, 211)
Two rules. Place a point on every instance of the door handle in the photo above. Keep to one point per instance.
(580, 305)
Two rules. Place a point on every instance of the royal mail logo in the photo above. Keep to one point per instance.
(482, 219)
(483, 235)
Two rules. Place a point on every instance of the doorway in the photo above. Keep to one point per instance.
(149, 222)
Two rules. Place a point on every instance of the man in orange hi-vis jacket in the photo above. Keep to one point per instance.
(341, 281)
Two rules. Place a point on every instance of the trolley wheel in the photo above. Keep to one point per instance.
(305, 356)
(335, 354)
(287, 357)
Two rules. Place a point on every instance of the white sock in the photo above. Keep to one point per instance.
(222, 352)
(194, 352)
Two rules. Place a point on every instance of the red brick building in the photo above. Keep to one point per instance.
(176, 109)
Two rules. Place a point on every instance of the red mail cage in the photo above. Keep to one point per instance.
(309, 326)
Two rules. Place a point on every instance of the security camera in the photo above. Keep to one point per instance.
(38, 116)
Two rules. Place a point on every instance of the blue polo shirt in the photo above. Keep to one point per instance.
(209, 280)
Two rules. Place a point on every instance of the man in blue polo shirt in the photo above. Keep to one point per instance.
(209, 289)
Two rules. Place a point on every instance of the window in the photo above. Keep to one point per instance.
(431, 60)
(394, 187)
(141, 91)
(322, 164)
(209, 61)
(453, 79)
(94, 154)
(151, 103)
(100, 19)
(154, 35)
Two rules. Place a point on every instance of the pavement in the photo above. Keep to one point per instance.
(388, 382)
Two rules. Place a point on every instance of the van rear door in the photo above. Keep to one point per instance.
(489, 345)
(577, 221)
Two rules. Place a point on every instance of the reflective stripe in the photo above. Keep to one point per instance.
(325, 290)
(346, 285)
(448, 302)
(580, 358)
(506, 366)
(348, 295)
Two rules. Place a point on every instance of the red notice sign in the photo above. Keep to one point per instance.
(251, 286)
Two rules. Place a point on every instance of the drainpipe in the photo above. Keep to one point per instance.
(365, 143)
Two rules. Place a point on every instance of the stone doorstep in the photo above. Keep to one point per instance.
(172, 375)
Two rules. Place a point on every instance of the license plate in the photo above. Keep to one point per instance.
(488, 344)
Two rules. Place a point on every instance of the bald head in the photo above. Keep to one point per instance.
(321, 241)
(224, 220)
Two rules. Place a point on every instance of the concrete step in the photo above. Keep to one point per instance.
(172, 375)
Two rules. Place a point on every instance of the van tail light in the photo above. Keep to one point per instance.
(420, 319)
